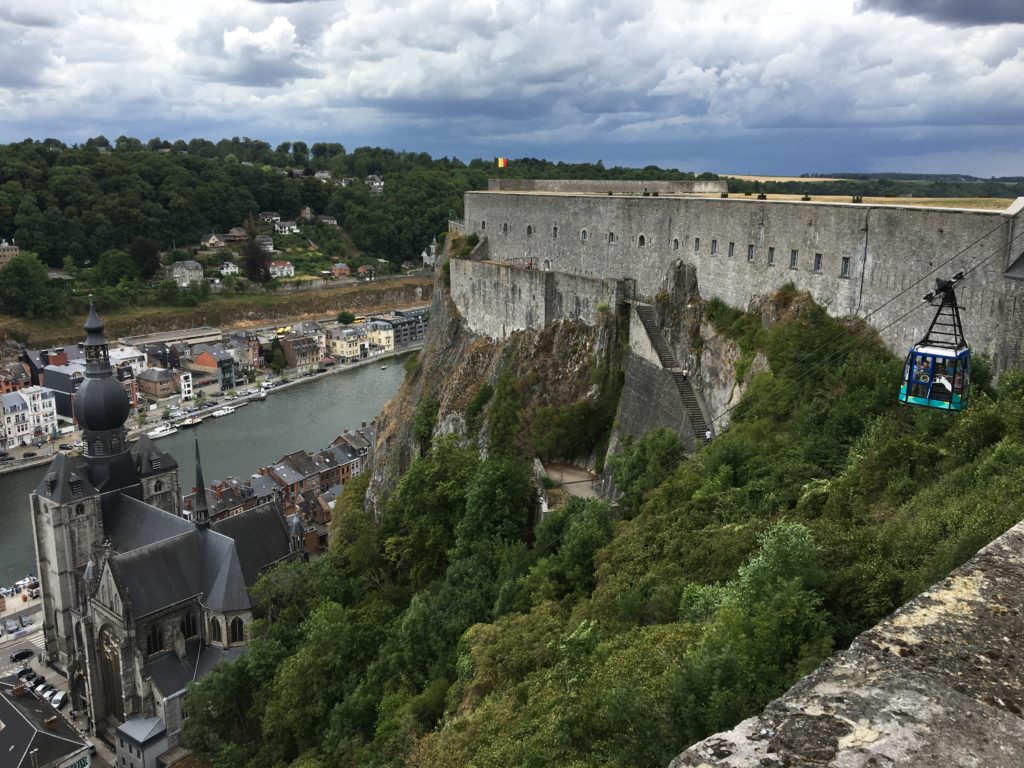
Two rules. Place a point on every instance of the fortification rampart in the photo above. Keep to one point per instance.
(852, 258)
(497, 299)
(580, 186)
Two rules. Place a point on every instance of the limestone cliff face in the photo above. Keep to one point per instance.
(552, 366)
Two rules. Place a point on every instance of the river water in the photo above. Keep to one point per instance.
(307, 416)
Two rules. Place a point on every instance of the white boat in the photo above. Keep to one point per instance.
(225, 411)
(162, 431)
(191, 421)
(383, 367)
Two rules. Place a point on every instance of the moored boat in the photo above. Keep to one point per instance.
(162, 431)
(191, 421)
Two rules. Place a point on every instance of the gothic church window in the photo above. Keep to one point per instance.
(154, 640)
(215, 630)
(189, 626)
(158, 486)
(237, 630)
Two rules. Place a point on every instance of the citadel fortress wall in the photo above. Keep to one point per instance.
(852, 258)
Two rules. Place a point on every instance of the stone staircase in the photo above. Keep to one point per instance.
(668, 361)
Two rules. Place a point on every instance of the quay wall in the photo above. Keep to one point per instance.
(854, 259)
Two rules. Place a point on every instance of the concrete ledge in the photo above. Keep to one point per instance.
(938, 683)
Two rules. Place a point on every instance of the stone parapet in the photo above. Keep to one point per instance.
(938, 683)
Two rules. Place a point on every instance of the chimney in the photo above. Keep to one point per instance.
(51, 723)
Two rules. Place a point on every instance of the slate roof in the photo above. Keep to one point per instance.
(142, 730)
(172, 675)
(156, 374)
(222, 579)
(63, 477)
(260, 538)
(264, 487)
(150, 460)
(159, 574)
(287, 473)
(24, 731)
(130, 524)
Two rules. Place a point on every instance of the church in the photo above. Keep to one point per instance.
(139, 601)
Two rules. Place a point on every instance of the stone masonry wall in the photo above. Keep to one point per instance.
(886, 250)
(496, 299)
(578, 186)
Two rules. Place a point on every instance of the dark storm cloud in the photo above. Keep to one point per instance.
(30, 17)
(953, 12)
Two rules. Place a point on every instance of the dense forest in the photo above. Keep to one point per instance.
(455, 634)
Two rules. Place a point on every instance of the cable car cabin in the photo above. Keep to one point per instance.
(937, 373)
(935, 377)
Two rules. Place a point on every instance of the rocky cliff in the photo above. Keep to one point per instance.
(565, 363)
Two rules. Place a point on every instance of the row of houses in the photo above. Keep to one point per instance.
(27, 417)
(304, 485)
(158, 369)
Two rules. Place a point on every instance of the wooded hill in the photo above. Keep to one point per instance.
(453, 634)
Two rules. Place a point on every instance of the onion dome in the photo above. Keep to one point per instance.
(101, 404)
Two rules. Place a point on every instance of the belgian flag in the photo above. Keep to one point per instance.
(503, 162)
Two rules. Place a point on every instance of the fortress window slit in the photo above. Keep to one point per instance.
(844, 267)
(771, 255)
(696, 245)
(817, 262)
(732, 250)
(794, 258)
(714, 247)
(750, 253)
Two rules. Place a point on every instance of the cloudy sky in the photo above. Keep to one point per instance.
(756, 86)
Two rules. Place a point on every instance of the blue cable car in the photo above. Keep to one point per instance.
(937, 373)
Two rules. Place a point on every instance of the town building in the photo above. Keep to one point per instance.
(409, 325)
(301, 352)
(265, 242)
(341, 269)
(429, 254)
(139, 601)
(7, 252)
(375, 183)
(235, 235)
(211, 240)
(213, 360)
(330, 221)
(36, 360)
(269, 217)
(365, 270)
(33, 734)
(64, 380)
(347, 343)
(229, 268)
(130, 356)
(185, 385)
(380, 335)
(157, 383)
(29, 416)
(281, 269)
(314, 330)
(286, 228)
(13, 377)
(185, 273)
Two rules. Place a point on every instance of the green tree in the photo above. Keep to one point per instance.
(115, 266)
(24, 287)
(345, 317)
(145, 255)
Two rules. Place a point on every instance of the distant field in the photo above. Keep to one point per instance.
(775, 178)
(981, 203)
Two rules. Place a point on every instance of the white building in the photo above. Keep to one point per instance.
(282, 269)
(228, 268)
(134, 357)
(286, 228)
(29, 416)
(185, 385)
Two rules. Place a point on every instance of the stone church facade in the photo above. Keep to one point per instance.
(139, 601)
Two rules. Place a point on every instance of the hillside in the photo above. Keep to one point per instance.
(450, 628)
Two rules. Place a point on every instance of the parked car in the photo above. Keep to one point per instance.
(50, 693)
(37, 680)
(66, 447)
(29, 455)
(25, 619)
(42, 688)
(22, 654)
(25, 673)
(59, 699)
(11, 626)
(34, 593)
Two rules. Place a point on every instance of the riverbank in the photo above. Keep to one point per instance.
(229, 312)
(205, 412)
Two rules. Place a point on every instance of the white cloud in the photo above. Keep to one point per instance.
(443, 76)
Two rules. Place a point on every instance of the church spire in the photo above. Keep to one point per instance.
(201, 513)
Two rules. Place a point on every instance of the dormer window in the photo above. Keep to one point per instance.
(156, 462)
(76, 486)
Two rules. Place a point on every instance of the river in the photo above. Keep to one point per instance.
(307, 416)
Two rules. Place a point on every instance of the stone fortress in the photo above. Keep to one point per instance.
(852, 258)
(936, 683)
